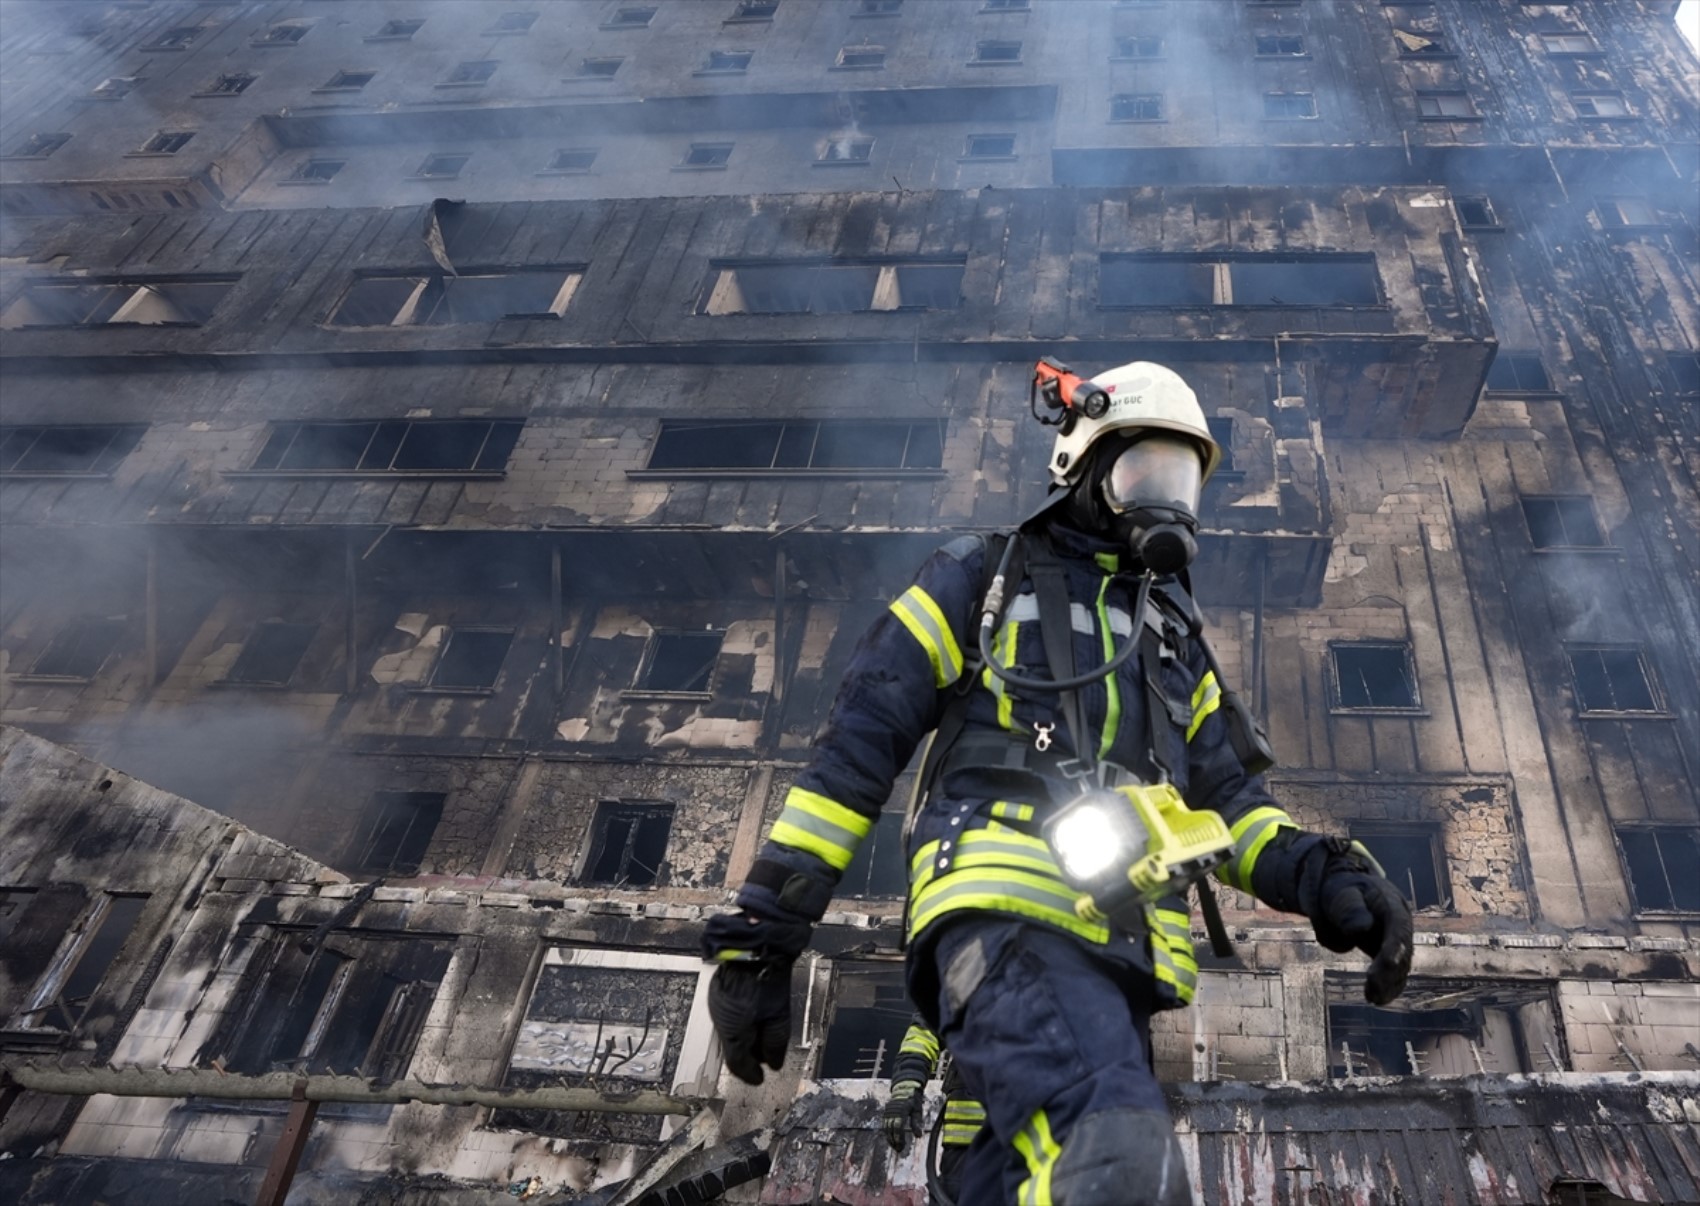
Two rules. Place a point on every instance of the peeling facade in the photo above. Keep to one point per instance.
(483, 547)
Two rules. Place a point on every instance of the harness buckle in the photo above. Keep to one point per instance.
(1074, 769)
(1042, 741)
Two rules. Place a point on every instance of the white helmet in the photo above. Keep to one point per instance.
(1142, 395)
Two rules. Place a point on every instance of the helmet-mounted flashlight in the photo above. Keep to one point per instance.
(1066, 394)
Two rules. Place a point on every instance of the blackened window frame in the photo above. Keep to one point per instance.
(110, 632)
(1145, 107)
(1338, 705)
(432, 287)
(1223, 263)
(497, 441)
(134, 285)
(254, 650)
(1468, 203)
(896, 1008)
(1528, 372)
(71, 965)
(487, 684)
(1439, 96)
(887, 283)
(400, 29)
(1566, 514)
(1681, 895)
(1124, 43)
(1277, 36)
(642, 688)
(922, 450)
(1587, 699)
(406, 851)
(1429, 832)
(120, 440)
(1279, 99)
(969, 154)
(38, 146)
(640, 817)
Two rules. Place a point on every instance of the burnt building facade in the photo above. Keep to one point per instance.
(459, 447)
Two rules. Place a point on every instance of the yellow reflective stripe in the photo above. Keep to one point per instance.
(1251, 834)
(735, 956)
(823, 827)
(1003, 653)
(1040, 1152)
(1112, 693)
(964, 1111)
(926, 623)
(1171, 951)
(918, 1040)
(1004, 810)
(1205, 700)
(958, 1135)
(1001, 889)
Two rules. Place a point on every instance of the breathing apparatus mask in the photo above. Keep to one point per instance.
(1143, 493)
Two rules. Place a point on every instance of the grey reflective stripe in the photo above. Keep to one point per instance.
(944, 644)
(1234, 869)
(992, 887)
(1184, 977)
(820, 827)
(1025, 610)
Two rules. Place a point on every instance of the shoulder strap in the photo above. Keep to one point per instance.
(1056, 630)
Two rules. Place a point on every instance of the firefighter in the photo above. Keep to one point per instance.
(960, 1124)
(1092, 672)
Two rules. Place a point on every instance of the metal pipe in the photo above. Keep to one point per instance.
(556, 619)
(150, 605)
(351, 633)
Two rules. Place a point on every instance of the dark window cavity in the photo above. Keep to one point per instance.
(318, 171)
(13, 901)
(1476, 213)
(1568, 43)
(1562, 523)
(878, 8)
(846, 149)
(1139, 46)
(271, 654)
(1412, 856)
(1442, 106)
(231, 83)
(166, 142)
(394, 831)
(628, 844)
(730, 61)
(287, 33)
(599, 69)
(1600, 104)
(1286, 46)
(80, 648)
(1222, 431)
(1006, 6)
(115, 87)
(66, 449)
(1375, 675)
(1612, 678)
(707, 155)
(442, 167)
(472, 659)
(680, 662)
(997, 52)
(61, 1001)
(1685, 371)
(475, 295)
(93, 303)
(1137, 106)
(870, 1012)
(1289, 104)
(476, 71)
(1518, 373)
(573, 159)
(990, 146)
(513, 23)
(38, 146)
(738, 446)
(399, 30)
(877, 869)
(1444, 1028)
(755, 10)
(631, 18)
(394, 446)
(1265, 280)
(1662, 863)
(1425, 45)
(179, 38)
(348, 81)
(833, 288)
(865, 58)
(1629, 211)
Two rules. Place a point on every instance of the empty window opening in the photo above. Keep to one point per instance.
(394, 832)
(997, 52)
(115, 87)
(680, 662)
(1574, 1191)
(66, 449)
(65, 993)
(1425, 45)
(337, 1002)
(631, 18)
(1137, 106)
(870, 1012)
(231, 83)
(1443, 1027)
(318, 171)
(628, 844)
(755, 10)
(878, 868)
(421, 446)
(1685, 371)
(1662, 861)
(1476, 213)
(810, 445)
(1629, 211)
(1285, 46)
(730, 61)
(1568, 43)
(707, 155)
(1222, 431)
(1006, 6)
(990, 146)
(166, 142)
(1412, 856)
(38, 146)
(1444, 105)
(472, 659)
(846, 149)
(272, 654)
(829, 288)
(1562, 523)
(421, 299)
(441, 166)
(348, 81)
(878, 8)
(513, 23)
(1274, 280)
(400, 29)
(573, 159)
(179, 38)
(1600, 104)
(286, 33)
(1374, 675)
(599, 68)
(1289, 104)
(1140, 46)
(1518, 373)
(476, 71)
(13, 901)
(1612, 678)
(80, 649)
(98, 303)
(865, 58)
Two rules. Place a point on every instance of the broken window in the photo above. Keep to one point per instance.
(38, 146)
(338, 1002)
(1139, 46)
(1574, 1191)
(878, 8)
(1287, 46)
(1568, 43)
(115, 87)
(63, 996)
(599, 68)
(471, 659)
(399, 30)
(441, 166)
(231, 83)
(393, 833)
(80, 648)
(285, 33)
(394, 446)
(66, 449)
(1423, 45)
(1137, 106)
(1629, 211)
(348, 81)
(317, 171)
(1685, 371)
(1412, 856)
(474, 295)
(846, 150)
(1447, 105)
(1289, 104)
(707, 155)
(1252, 280)
(1662, 860)
(178, 38)
(12, 904)
(1476, 213)
(997, 52)
(1600, 104)
(631, 18)
(477, 71)
(878, 868)
(166, 142)
(513, 23)
(680, 662)
(861, 57)
(1444, 1027)
(271, 654)
(1518, 373)
(755, 10)
(827, 444)
(1612, 678)
(1374, 674)
(574, 159)
(628, 844)
(1562, 523)
(989, 146)
(832, 288)
(1222, 431)
(869, 1013)
(1006, 6)
(730, 61)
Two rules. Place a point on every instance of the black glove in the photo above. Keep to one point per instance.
(749, 1002)
(1351, 905)
(902, 1116)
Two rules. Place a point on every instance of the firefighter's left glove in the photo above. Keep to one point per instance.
(901, 1119)
(749, 999)
(1351, 905)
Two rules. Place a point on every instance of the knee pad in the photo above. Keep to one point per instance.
(1121, 1158)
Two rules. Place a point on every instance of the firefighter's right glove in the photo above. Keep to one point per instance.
(1351, 905)
(749, 999)
(902, 1117)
